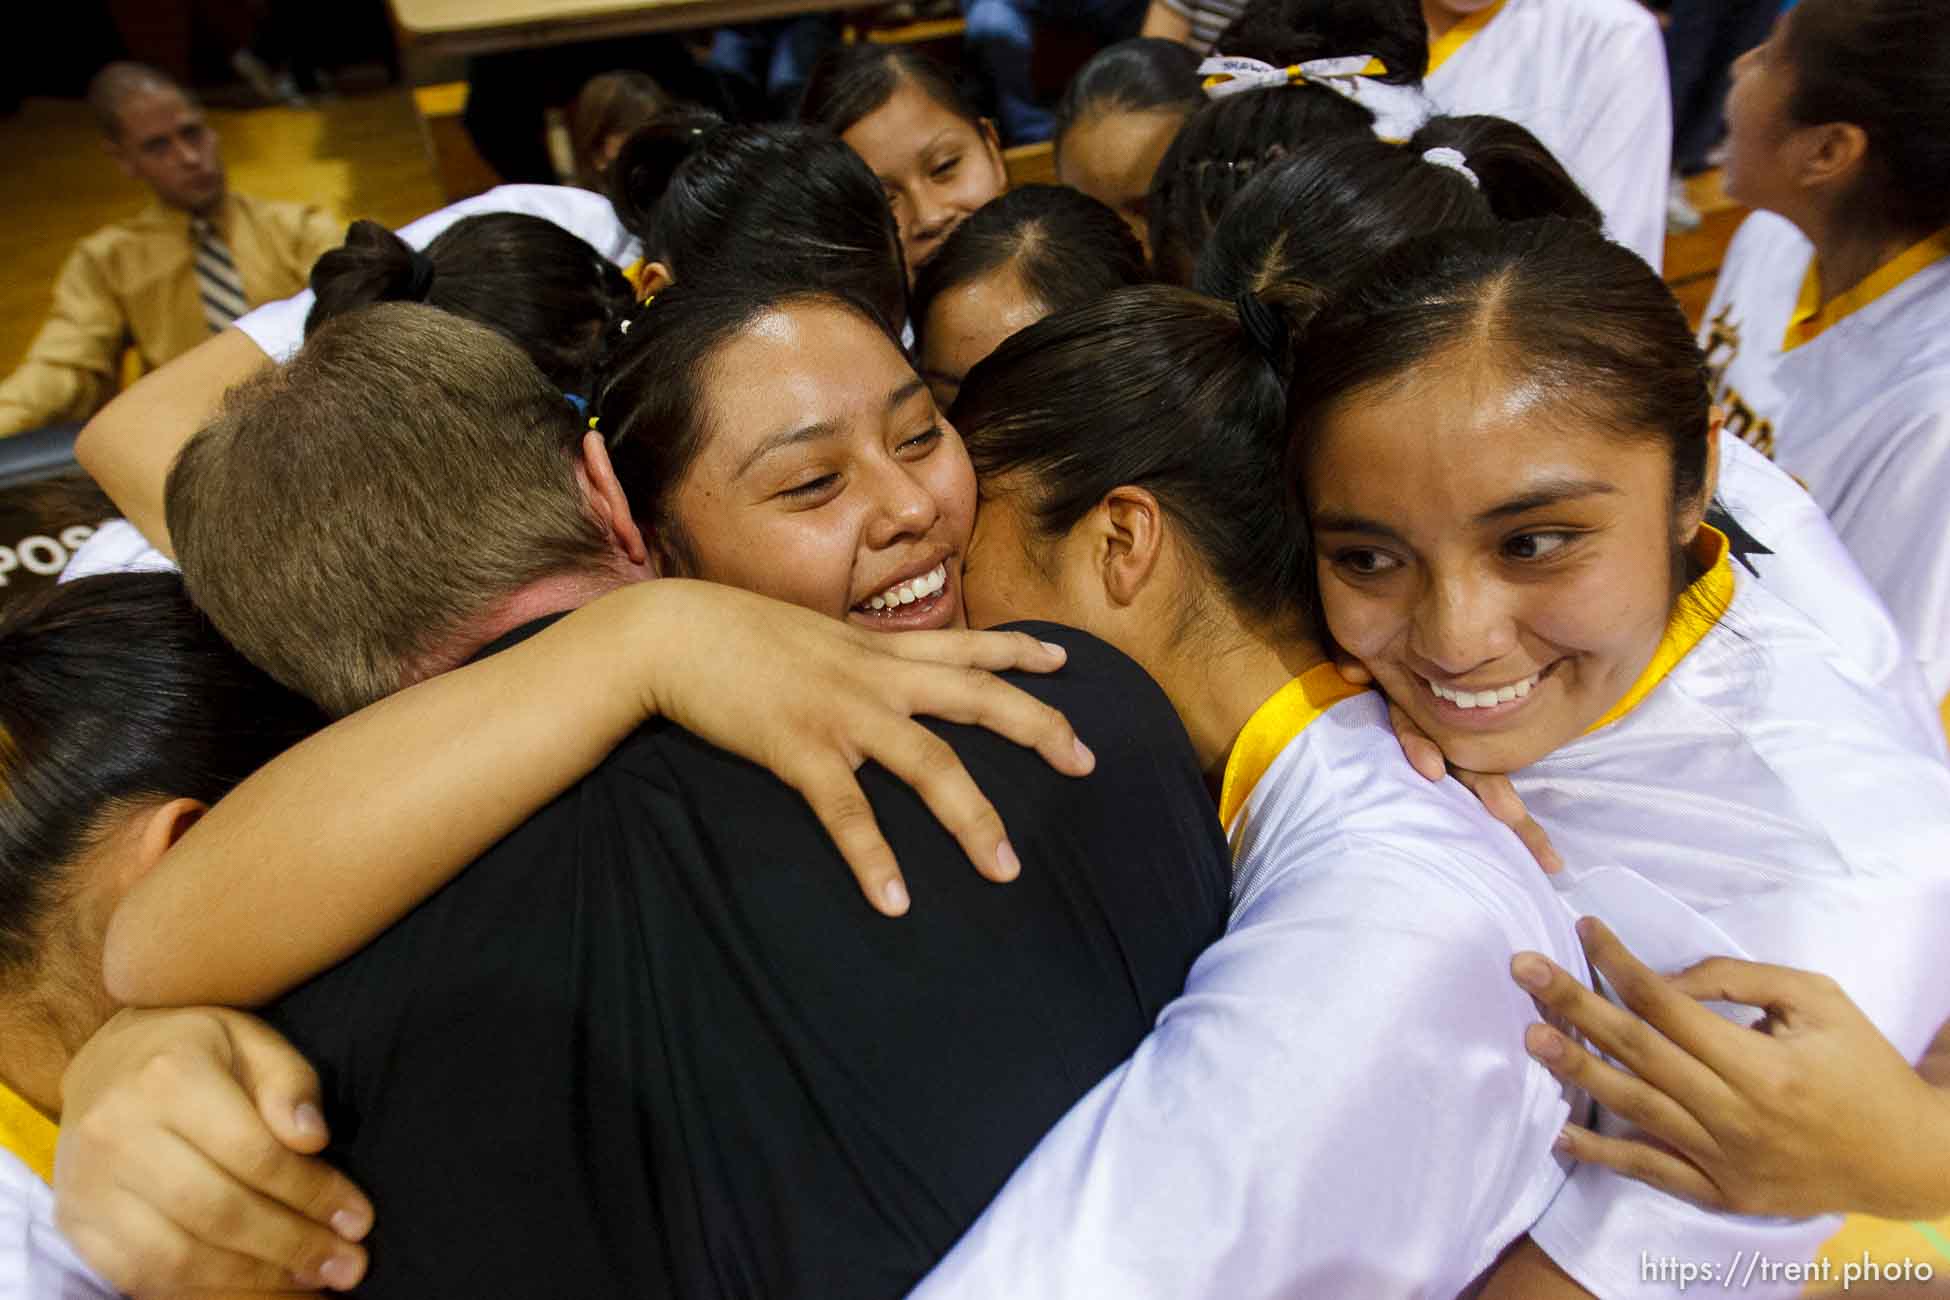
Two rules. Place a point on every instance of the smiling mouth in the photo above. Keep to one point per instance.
(899, 598)
(1485, 699)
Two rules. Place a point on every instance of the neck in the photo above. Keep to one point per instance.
(1218, 679)
(1848, 251)
(42, 1030)
(555, 594)
(1439, 19)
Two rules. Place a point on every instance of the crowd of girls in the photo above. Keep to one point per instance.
(1343, 419)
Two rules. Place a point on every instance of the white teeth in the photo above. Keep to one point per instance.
(912, 590)
(1484, 699)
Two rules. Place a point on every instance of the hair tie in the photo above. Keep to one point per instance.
(1399, 111)
(420, 278)
(1266, 327)
(1444, 156)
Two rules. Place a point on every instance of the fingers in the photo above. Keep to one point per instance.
(1754, 984)
(1642, 1161)
(225, 1128)
(834, 794)
(1664, 1004)
(1620, 1034)
(279, 1081)
(218, 1208)
(979, 699)
(1630, 1099)
(172, 1219)
(1501, 800)
(144, 1252)
(927, 763)
(995, 651)
(1423, 754)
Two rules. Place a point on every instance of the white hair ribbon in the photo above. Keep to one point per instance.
(1399, 111)
(1454, 161)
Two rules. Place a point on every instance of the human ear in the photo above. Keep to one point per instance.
(1833, 156)
(1131, 540)
(607, 500)
(155, 833)
(653, 280)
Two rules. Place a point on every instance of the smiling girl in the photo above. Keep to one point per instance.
(1505, 449)
(936, 156)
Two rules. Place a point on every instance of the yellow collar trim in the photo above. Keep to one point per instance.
(1697, 612)
(1272, 728)
(1450, 42)
(27, 1133)
(1811, 319)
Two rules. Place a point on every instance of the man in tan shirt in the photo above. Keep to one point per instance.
(169, 277)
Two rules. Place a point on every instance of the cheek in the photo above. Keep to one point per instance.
(1362, 620)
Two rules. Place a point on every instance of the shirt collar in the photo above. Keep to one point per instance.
(1697, 612)
(27, 1133)
(1273, 727)
(1810, 319)
(1450, 43)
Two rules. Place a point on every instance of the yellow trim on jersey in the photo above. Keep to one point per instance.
(27, 1133)
(1945, 711)
(1697, 612)
(1811, 319)
(1445, 47)
(1272, 728)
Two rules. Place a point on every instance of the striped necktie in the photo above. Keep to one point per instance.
(217, 281)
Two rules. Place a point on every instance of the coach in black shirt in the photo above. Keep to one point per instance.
(655, 1043)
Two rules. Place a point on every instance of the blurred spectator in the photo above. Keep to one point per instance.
(167, 278)
(608, 108)
(768, 62)
(1001, 37)
(1703, 38)
(509, 95)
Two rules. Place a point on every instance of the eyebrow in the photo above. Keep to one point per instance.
(824, 428)
(1550, 492)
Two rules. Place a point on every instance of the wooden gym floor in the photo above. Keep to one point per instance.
(362, 156)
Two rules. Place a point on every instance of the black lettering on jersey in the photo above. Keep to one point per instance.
(1721, 348)
(1741, 544)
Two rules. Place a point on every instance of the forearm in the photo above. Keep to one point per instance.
(328, 845)
(131, 443)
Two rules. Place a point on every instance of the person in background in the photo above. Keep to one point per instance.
(1825, 336)
(166, 279)
(609, 107)
(1117, 117)
(1033, 252)
(1001, 36)
(913, 123)
(1587, 76)
(1703, 38)
(767, 63)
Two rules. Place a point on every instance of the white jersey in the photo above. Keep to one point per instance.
(36, 1261)
(1783, 538)
(279, 327)
(117, 546)
(1765, 799)
(1855, 403)
(1339, 1104)
(1588, 78)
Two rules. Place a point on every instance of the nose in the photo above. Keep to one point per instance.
(1461, 623)
(903, 507)
(933, 219)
